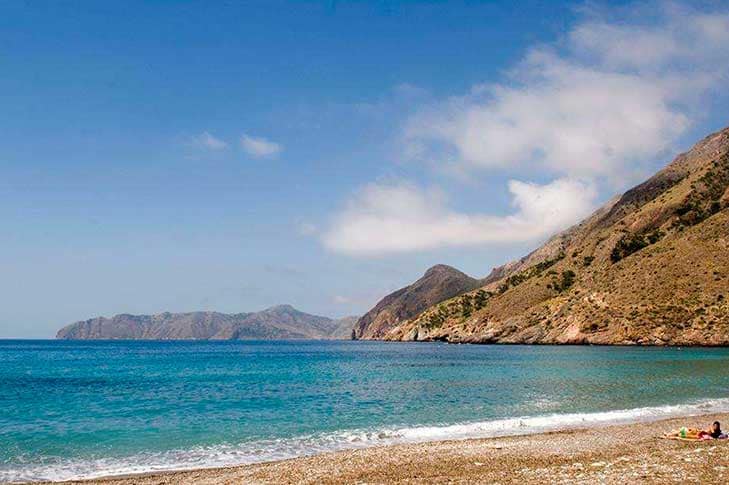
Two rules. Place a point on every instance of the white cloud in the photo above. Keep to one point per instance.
(207, 141)
(259, 147)
(403, 217)
(614, 97)
(681, 40)
(593, 110)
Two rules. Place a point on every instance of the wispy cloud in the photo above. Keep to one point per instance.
(362, 300)
(306, 228)
(404, 217)
(616, 95)
(592, 110)
(283, 270)
(207, 141)
(259, 147)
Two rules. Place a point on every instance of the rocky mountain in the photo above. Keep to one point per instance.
(650, 267)
(439, 283)
(344, 328)
(279, 322)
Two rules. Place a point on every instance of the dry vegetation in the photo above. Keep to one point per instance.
(651, 267)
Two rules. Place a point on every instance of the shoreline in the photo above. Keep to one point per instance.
(552, 344)
(636, 344)
(603, 454)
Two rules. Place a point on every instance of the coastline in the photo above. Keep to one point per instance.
(604, 454)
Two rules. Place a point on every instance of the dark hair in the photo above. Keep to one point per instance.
(717, 423)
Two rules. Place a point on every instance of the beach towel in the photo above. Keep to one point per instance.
(694, 438)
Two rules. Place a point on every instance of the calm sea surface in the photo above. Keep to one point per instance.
(85, 409)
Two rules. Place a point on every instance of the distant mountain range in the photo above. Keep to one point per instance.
(275, 323)
(650, 267)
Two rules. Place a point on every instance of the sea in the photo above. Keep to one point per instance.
(84, 409)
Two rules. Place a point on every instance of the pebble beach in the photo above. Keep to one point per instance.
(633, 453)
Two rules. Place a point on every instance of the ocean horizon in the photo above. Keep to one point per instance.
(85, 409)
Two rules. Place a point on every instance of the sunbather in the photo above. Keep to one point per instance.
(714, 432)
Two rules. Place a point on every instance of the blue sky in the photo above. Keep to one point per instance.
(179, 156)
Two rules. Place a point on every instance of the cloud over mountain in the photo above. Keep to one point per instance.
(614, 95)
(592, 110)
(403, 217)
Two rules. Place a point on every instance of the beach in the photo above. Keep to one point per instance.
(608, 454)
(310, 412)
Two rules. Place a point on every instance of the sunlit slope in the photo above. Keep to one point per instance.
(650, 267)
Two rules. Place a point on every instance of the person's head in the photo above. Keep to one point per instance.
(716, 426)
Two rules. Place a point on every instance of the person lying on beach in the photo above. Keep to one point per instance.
(714, 432)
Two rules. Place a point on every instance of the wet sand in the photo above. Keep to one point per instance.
(634, 453)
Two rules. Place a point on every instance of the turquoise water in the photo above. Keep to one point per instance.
(84, 409)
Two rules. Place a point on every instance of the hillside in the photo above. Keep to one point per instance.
(279, 322)
(649, 267)
(439, 283)
(344, 328)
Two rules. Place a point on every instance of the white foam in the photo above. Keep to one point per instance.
(277, 449)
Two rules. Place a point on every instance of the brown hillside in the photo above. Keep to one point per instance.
(439, 283)
(650, 267)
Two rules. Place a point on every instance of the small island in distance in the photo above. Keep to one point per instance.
(276, 323)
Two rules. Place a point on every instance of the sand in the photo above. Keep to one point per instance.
(634, 453)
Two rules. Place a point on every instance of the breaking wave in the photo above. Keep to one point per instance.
(277, 449)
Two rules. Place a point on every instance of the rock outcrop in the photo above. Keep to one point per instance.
(344, 328)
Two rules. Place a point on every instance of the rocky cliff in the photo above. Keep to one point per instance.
(279, 322)
(649, 267)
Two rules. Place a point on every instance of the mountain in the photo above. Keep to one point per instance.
(344, 328)
(650, 267)
(279, 322)
(439, 283)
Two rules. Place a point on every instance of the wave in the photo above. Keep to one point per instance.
(278, 449)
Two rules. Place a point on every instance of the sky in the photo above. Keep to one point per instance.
(230, 156)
